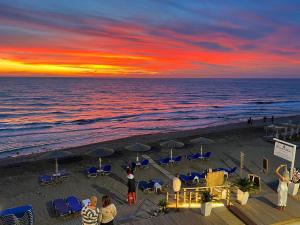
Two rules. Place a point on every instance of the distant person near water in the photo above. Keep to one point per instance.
(282, 186)
(131, 195)
(108, 211)
(250, 121)
(272, 119)
(90, 213)
(265, 119)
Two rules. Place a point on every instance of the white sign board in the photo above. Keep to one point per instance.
(284, 151)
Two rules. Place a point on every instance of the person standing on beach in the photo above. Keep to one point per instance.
(90, 212)
(108, 212)
(131, 189)
(282, 187)
(272, 119)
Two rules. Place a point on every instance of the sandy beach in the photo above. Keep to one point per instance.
(19, 176)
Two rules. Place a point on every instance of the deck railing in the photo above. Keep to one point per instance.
(191, 197)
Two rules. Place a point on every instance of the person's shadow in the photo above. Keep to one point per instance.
(112, 195)
(266, 201)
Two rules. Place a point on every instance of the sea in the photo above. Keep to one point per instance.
(44, 114)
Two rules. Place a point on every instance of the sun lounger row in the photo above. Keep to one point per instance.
(227, 172)
(94, 171)
(148, 186)
(192, 178)
(194, 156)
(168, 160)
(53, 179)
(68, 206)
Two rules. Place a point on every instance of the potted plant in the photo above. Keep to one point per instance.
(244, 187)
(162, 204)
(206, 204)
(293, 185)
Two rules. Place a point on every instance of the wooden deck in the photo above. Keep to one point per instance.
(140, 215)
(219, 216)
(262, 210)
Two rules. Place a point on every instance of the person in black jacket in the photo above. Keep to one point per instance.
(131, 189)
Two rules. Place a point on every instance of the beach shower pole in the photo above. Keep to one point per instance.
(242, 158)
(100, 163)
(56, 166)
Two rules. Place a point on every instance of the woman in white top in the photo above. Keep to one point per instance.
(282, 187)
(108, 211)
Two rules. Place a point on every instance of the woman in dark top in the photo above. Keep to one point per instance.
(131, 189)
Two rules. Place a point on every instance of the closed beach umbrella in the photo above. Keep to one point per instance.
(202, 141)
(171, 144)
(138, 147)
(101, 152)
(55, 155)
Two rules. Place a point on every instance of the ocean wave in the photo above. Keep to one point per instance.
(272, 102)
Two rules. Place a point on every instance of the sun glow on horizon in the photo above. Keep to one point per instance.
(9, 66)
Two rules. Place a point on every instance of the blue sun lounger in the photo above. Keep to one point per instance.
(106, 169)
(186, 179)
(145, 163)
(92, 172)
(144, 185)
(16, 216)
(46, 179)
(74, 204)
(206, 156)
(60, 207)
(177, 159)
(164, 161)
(193, 156)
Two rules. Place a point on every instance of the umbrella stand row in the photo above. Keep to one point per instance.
(136, 147)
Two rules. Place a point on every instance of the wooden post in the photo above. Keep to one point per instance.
(242, 159)
(167, 198)
(190, 199)
(265, 165)
(177, 200)
(184, 196)
(228, 197)
(196, 194)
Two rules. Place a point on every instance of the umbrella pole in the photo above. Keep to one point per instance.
(201, 150)
(171, 154)
(56, 166)
(137, 157)
(100, 163)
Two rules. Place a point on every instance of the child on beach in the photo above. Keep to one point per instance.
(108, 212)
(90, 213)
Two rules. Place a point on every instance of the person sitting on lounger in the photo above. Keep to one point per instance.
(108, 211)
(90, 213)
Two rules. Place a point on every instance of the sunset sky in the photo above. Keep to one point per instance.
(155, 38)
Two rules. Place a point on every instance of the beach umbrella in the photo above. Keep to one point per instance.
(138, 147)
(202, 141)
(56, 155)
(99, 153)
(171, 144)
